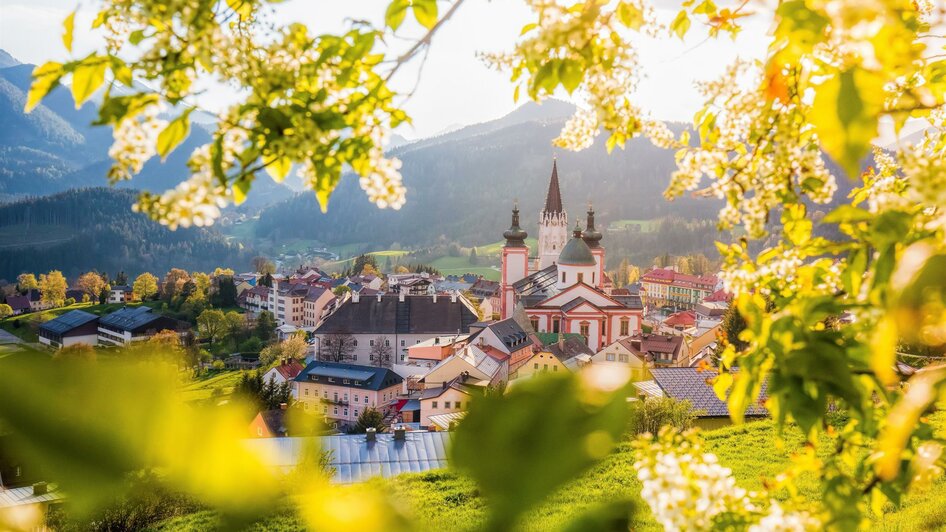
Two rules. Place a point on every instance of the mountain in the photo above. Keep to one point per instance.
(462, 185)
(94, 228)
(56, 148)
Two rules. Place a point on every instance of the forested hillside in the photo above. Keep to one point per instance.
(86, 229)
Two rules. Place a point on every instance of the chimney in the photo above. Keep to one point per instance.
(371, 434)
(435, 297)
(400, 295)
(400, 433)
(283, 406)
(40, 488)
(379, 297)
(453, 296)
(355, 296)
(561, 341)
(444, 385)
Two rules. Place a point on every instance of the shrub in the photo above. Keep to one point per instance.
(218, 364)
(69, 301)
(652, 413)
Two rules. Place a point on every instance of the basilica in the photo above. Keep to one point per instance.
(564, 289)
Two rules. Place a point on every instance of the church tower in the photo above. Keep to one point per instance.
(592, 237)
(553, 223)
(515, 264)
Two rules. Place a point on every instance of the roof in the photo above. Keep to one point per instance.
(290, 370)
(718, 296)
(668, 276)
(363, 377)
(24, 496)
(510, 333)
(122, 288)
(690, 384)
(68, 321)
(649, 388)
(387, 314)
(553, 199)
(684, 317)
(569, 348)
(18, 302)
(275, 421)
(129, 318)
(446, 421)
(576, 252)
(485, 288)
(355, 459)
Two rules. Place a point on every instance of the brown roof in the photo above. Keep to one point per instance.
(290, 370)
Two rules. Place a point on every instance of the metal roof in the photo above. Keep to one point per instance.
(23, 496)
(446, 421)
(366, 377)
(129, 318)
(355, 459)
(68, 321)
(387, 314)
(690, 384)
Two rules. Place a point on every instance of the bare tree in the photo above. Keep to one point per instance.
(337, 347)
(380, 352)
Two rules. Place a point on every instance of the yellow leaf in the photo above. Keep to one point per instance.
(68, 26)
(45, 77)
(721, 384)
(87, 77)
(883, 355)
(278, 168)
(173, 135)
(845, 113)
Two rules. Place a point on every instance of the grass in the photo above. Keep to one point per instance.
(443, 500)
(30, 322)
(461, 265)
(203, 388)
(497, 247)
(645, 226)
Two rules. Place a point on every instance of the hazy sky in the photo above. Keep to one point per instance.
(455, 86)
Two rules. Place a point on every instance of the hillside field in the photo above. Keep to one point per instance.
(443, 500)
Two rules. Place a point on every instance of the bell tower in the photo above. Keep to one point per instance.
(592, 237)
(515, 263)
(553, 223)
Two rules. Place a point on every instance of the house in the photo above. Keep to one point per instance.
(340, 392)
(73, 327)
(398, 320)
(448, 398)
(713, 310)
(446, 421)
(565, 288)
(120, 294)
(318, 303)
(270, 423)
(679, 321)
(506, 336)
(19, 304)
(694, 385)
(483, 365)
(242, 361)
(668, 287)
(626, 353)
(370, 281)
(570, 349)
(133, 324)
(359, 457)
(431, 351)
(284, 372)
(541, 362)
(255, 299)
(485, 289)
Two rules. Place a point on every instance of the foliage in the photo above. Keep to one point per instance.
(145, 286)
(265, 325)
(652, 413)
(263, 266)
(212, 325)
(369, 418)
(91, 283)
(267, 395)
(5, 310)
(292, 348)
(341, 290)
(52, 288)
(225, 294)
(26, 282)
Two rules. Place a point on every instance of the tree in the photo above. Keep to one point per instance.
(145, 286)
(265, 325)
(121, 279)
(380, 353)
(5, 311)
(91, 284)
(266, 395)
(653, 413)
(294, 347)
(369, 418)
(174, 282)
(733, 323)
(226, 293)
(341, 290)
(52, 287)
(202, 282)
(266, 280)
(263, 266)
(236, 323)
(26, 282)
(223, 272)
(212, 325)
(474, 260)
(633, 274)
(336, 347)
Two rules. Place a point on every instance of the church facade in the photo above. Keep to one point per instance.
(564, 289)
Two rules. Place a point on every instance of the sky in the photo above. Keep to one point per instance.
(454, 87)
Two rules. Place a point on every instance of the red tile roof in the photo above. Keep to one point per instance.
(685, 318)
(666, 275)
(290, 370)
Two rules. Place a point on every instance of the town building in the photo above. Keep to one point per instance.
(564, 289)
(446, 398)
(285, 371)
(270, 423)
(19, 304)
(624, 353)
(72, 328)
(399, 321)
(665, 287)
(340, 392)
(120, 294)
(133, 324)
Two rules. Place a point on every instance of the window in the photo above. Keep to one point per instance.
(346, 381)
(457, 405)
(624, 358)
(563, 277)
(354, 343)
(307, 391)
(387, 343)
(366, 399)
(554, 368)
(325, 394)
(536, 365)
(581, 277)
(583, 329)
(402, 343)
(610, 357)
(336, 397)
(433, 404)
(555, 325)
(592, 277)
(346, 411)
(259, 431)
(625, 326)
(545, 367)
(446, 404)
(336, 410)
(403, 356)
(371, 343)
(356, 412)
(534, 321)
(306, 404)
(356, 398)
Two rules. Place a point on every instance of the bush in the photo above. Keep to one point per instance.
(652, 413)
(218, 364)
(69, 301)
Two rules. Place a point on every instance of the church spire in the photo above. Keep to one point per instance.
(591, 235)
(553, 200)
(515, 236)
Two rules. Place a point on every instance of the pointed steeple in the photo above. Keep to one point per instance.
(553, 200)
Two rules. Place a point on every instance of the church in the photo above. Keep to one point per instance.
(564, 289)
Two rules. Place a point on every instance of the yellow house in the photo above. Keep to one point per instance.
(447, 398)
(622, 353)
(541, 362)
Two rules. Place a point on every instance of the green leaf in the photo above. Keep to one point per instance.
(87, 77)
(680, 24)
(530, 454)
(278, 168)
(174, 134)
(68, 26)
(115, 109)
(425, 11)
(570, 74)
(395, 13)
(845, 113)
(45, 77)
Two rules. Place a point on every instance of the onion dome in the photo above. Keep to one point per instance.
(515, 235)
(576, 252)
(591, 235)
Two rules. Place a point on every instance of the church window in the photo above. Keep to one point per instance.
(534, 321)
(625, 326)
(583, 329)
(555, 325)
(581, 277)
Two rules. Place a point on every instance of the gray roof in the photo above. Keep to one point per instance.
(138, 318)
(509, 332)
(690, 384)
(68, 321)
(10, 497)
(576, 252)
(415, 315)
(363, 377)
(355, 459)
